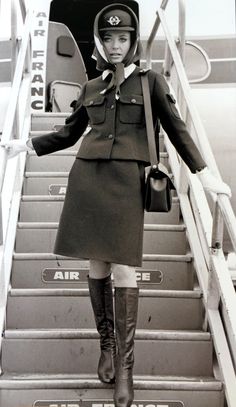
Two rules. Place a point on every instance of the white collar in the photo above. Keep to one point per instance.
(128, 71)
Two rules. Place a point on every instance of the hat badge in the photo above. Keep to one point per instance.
(114, 20)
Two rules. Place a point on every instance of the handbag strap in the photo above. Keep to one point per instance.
(149, 119)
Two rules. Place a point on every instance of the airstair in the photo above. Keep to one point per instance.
(185, 352)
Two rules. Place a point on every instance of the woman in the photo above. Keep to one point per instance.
(102, 218)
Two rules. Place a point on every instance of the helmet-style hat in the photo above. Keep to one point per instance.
(119, 17)
(116, 19)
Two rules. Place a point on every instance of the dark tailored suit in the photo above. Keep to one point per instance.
(102, 216)
(118, 129)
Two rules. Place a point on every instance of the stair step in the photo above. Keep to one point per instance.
(40, 237)
(141, 334)
(173, 273)
(47, 183)
(60, 161)
(49, 210)
(76, 351)
(147, 227)
(88, 391)
(91, 382)
(146, 257)
(63, 161)
(41, 184)
(83, 292)
(46, 174)
(71, 308)
(172, 217)
(61, 198)
(47, 121)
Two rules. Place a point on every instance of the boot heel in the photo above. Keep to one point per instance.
(124, 393)
(106, 368)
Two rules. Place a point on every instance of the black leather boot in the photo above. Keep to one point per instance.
(102, 303)
(126, 310)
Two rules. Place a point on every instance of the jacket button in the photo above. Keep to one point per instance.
(112, 106)
(110, 136)
(91, 102)
(133, 100)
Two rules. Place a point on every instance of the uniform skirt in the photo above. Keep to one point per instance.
(102, 216)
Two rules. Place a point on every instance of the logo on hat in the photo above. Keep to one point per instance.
(114, 20)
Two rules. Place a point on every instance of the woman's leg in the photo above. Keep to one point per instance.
(126, 310)
(99, 269)
(124, 276)
(100, 289)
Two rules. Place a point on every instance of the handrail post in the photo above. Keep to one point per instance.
(150, 43)
(213, 295)
(181, 47)
(23, 9)
(167, 61)
(14, 55)
(14, 27)
(217, 228)
(28, 64)
(152, 36)
(182, 29)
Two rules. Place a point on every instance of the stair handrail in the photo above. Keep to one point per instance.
(152, 36)
(15, 40)
(205, 235)
(23, 9)
(182, 25)
(16, 125)
(202, 138)
(20, 70)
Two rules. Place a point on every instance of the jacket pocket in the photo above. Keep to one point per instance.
(131, 108)
(172, 102)
(96, 109)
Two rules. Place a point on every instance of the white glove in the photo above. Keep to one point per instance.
(15, 147)
(212, 184)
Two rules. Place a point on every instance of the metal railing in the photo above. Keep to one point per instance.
(205, 235)
(16, 125)
(205, 230)
(22, 70)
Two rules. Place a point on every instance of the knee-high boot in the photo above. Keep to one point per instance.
(102, 303)
(126, 310)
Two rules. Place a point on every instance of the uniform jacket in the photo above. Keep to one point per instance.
(118, 129)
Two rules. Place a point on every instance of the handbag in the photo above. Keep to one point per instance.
(158, 184)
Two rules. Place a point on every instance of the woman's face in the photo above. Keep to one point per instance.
(117, 44)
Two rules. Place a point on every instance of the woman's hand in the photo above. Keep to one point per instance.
(15, 147)
(212, 184)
